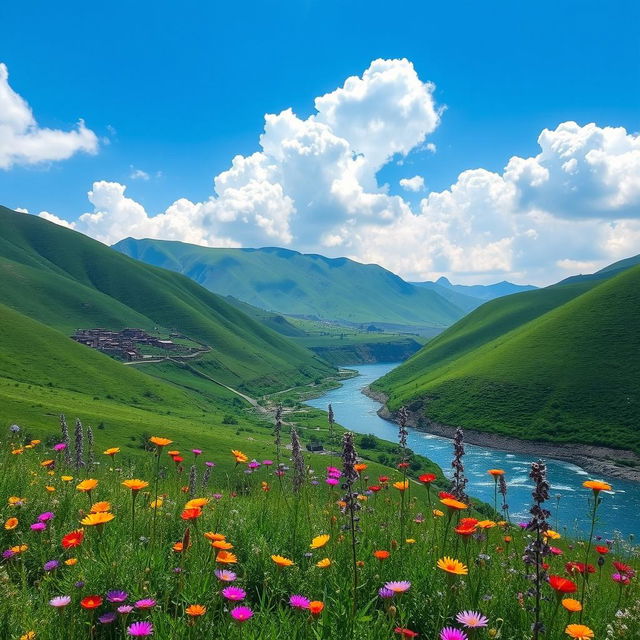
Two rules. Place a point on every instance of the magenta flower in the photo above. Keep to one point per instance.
(196, 452)
(398, 587)
(383, 592)
(334, 471)
(140, 629)
(472, 619)
(449, 633)
(46, 516)
(145, 603)
(224, 575)
(234, 593)
(117, 596)
(267, 463)
(240, 614)
(61, 446)
(60, 601)
(621, 578)
(332, 481)
(299, 602)
(210, 464)
(38, 526)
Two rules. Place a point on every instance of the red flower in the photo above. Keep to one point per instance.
(73, 539)
(444, 494)
(191, 514)
(427, 478)
(623, 568)
(406, 633)
(383, 479)
(562, 585)
(403, 465)
(91, 602)
(375, 488)
(579, 567)
(602, 550)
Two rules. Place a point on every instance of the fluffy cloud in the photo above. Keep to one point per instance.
(412, 184)
(23, 142)
(312, 185)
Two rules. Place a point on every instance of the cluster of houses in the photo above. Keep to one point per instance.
(123, 344)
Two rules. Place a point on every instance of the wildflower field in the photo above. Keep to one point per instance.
(214, 544)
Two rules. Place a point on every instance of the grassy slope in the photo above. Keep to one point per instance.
(569, 374)
(67, 280)
(307, 285)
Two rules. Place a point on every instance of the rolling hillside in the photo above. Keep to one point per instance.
(66, 281)
(298, 284)
(559, 364)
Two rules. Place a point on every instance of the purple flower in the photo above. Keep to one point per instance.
(383, 592)
(8, 554)
(234, 593)
(472, 619)
(117, 596)
(145, 603)
(61, 446)
(267, 463)
(210, 464)
(299, 602)
(449, 633)
(124, 609)
(47, 515)
(79, 584)
(107, 618)
(140, 629)
(51, 565)
(60, 601)
(240, 614)
(38, 526)
(217, 496)
(196, 452)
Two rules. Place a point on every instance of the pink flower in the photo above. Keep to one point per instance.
(38, 526)
(140, 629)
(332, 481)
(471, 619)
(234, 593)
(240, 614)
(299, 602)
(398, 587)
(225, 576)
(145, 603)
(449, 633)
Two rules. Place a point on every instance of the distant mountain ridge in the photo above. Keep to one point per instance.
(305, 285)
(482, 292)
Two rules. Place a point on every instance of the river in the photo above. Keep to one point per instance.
(617, 513)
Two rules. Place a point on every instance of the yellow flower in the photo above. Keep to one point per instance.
(554, 535)
(94, 519)
(100, 507)
(454, 504)
(196, 503)
(239, 456)
(281, 561)
(66, 478)
(324, 563)
(437, 513)
(596, 485)
(35, 442)
(17, 452)
(30, 635)
(452, 566)
(47, 463)
(486, 524)
(401, 485)
(112, 451)
(579, 631)
(410, 541)
(319, 541)
(87, 485)
(156, 504)
(20, 548)
(160, 442)
(71, 561)
(49, 488)
(11, 523)
(135, 485)
(14, 500)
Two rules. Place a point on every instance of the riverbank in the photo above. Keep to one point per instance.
(597, 460)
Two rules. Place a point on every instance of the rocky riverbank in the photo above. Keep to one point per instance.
(601, 461)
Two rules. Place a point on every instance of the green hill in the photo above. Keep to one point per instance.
(66, 280)
(304, 285)
(559, 364)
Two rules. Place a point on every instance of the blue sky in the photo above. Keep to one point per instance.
(177, 91)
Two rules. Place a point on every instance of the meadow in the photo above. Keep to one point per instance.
(180, 542)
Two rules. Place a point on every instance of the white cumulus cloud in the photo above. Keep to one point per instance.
(24, 142)
(412, 184)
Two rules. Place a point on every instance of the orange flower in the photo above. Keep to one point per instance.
(437, 513)
(596, 485)
(160, 442)
(401, 485)
(73, 539)
(281, 561)
(98, 507)
(495, 472)
(91, 602)
(47, 463)
(112, 452)
(360, 467)
(20, 548)
(11, 523)
(66, 478)
(50, 489)
(30, 635)
(96, 519)
(465, 529)
(196, 503)
(579, 631)
(87, 485)
(452, 566)
(239, 456)
(224, 557)
(191, 514)
(195, 610)
(70, 562)
(210, 535)
(453, 504)
(135, 485)
(320, 541)
(316, 607)
(222, 544)
(173, 453)
(571, 605)
(324, 563)
(381, 554)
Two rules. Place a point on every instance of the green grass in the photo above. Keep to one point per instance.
(559, 364)
(67, 281)
(301, 285)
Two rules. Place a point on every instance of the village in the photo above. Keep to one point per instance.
(132, 344)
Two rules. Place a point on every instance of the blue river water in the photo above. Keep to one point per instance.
(618, 513)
